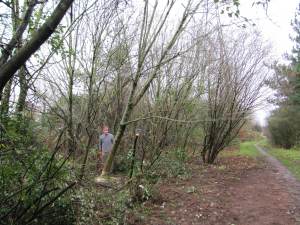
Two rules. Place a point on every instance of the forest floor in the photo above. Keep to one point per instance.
(238, 190)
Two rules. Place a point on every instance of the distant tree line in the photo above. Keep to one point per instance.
(284, 122)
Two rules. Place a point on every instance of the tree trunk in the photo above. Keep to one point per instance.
(5, 54)
(9, 68)
(133, 156)
(70, 71)
(108, 164)
(23, 90)
(120, 132)
(5, 100)
(209, 155)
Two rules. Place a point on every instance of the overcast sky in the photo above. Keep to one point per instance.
(275, 25)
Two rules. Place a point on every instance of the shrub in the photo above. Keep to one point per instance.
(169, 165)
(284, 127)
(34, 183)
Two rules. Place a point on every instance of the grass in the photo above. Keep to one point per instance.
(247, 149)
(290, 158)
(264, 143)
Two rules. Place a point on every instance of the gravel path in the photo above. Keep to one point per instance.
(286, 178)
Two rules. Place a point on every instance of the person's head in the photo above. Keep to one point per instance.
(105, 129)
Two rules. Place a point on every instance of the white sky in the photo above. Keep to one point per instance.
(275, 25)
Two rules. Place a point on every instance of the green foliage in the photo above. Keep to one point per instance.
(295, 56)
(56, 42)
(284, 123)
(109, 208)
(31, 178)
(284, 127)
(20, 132)
(122, 163)
(172, 164)
(97, 206)
(248, 149)
(180, 155)
(295, 96)
(290, 158)
(263, 142)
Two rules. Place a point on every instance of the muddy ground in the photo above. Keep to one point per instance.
(236, 191)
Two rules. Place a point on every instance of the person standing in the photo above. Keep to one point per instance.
(106, 141)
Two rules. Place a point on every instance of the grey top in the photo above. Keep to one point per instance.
(106, 142)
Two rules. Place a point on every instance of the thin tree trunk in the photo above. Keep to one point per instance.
(9, 68)
(87, 150)
(89, 118)
(144, 50)
(70, 70)
(133, 156)
(23, 90)
(121, 129)
(19, 27)
(4, 56)
(6, 97)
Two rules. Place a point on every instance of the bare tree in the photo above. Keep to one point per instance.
(149, 33)
(78, 83)
(234, 74)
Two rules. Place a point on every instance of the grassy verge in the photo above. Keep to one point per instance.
(247, 149)
(290, 158)
(264, 143)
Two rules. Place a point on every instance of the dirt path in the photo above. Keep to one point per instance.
(283, 174)
(239, 191)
